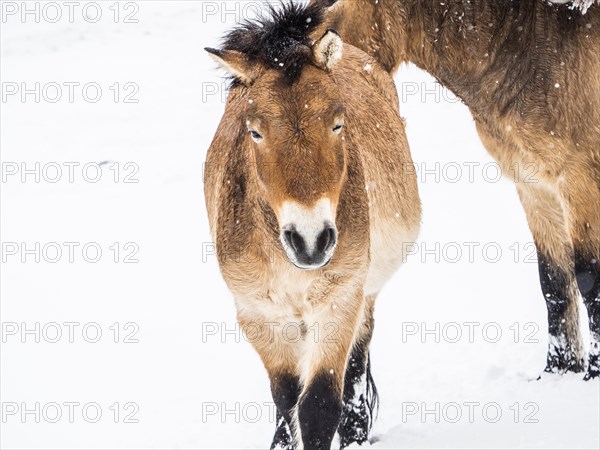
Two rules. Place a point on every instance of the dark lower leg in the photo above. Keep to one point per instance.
(285, 390)
(564, 346)
(319, 411)
(360, 394)
(587, 269)
(360, 402)
(283, 438)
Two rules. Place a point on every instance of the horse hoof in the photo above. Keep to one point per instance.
(593, 370)
(591, 374)
(563, 366)
(354, 427)
(283, 437)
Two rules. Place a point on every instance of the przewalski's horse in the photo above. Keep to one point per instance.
(311, 209)
(530, 73)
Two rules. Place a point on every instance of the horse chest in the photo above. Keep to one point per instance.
(287, 295)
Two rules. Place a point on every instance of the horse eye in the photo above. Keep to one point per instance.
(338, 128)
(255, 135)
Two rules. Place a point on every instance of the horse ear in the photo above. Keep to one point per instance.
(328, 50)
(235, 63)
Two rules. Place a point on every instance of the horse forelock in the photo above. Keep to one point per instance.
(280, 39)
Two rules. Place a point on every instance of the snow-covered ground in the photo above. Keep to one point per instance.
(170, 369)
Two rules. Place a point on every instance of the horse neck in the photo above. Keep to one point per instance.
(468, 46)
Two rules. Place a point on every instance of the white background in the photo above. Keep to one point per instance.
(179, 377)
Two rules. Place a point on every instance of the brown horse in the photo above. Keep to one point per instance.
(310, 208)
(530, 73)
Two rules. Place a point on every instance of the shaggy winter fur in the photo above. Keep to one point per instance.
(529, 70)
(306, 129)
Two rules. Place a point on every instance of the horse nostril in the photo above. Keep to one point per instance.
(326, 240)
(294, 240)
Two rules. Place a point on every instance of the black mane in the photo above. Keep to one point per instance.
(279, 40)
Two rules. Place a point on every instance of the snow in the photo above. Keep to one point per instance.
(192, 380)
(583, 5)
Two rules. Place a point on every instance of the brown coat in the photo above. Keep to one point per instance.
(529, 72)
(274, 148)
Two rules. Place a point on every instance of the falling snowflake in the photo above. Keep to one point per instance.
(583, 5)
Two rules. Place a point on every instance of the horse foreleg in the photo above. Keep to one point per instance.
(279, 356)
(582, 195)
(547, 222)
(323, 367)
(360, 393)
(588, 279)
(285, 389)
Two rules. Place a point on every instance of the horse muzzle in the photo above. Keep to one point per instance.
(308, 249)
